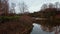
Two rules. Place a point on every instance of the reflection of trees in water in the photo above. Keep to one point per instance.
(47, 28)
(55, 29)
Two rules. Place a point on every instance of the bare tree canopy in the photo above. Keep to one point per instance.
(23, 7)
(57, 5)
(44, 6)
(4, 7)
(12, 8)
(51, 5)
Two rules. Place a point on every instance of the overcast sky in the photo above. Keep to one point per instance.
(33, 5)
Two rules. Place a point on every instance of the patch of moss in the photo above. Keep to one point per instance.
(6, 18)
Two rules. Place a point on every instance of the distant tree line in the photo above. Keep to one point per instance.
(50, 9)
(47, 10)
(51, 5)
(9, 10)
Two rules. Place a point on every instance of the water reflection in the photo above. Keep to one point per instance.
(43, 29)
(47, 28)
(55, 29)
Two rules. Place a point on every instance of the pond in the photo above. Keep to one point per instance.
(37, 29)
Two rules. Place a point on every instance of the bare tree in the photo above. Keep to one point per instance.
(51, 5)
(44, 6)
(4, 8)
(23, 7)
(13, 5)
(57, 5)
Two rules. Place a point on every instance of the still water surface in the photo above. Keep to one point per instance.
(37, 30)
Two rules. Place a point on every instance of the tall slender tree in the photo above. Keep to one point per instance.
(23, 7)
(13, 7)
(4, 8)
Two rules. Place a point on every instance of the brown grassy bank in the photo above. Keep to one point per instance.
(21, 26)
